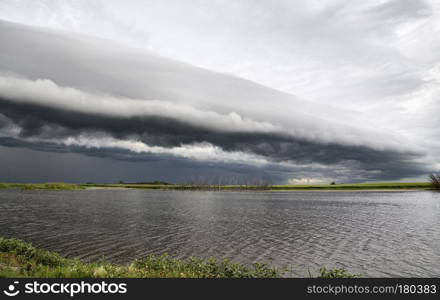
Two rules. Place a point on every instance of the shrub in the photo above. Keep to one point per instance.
(435, 181)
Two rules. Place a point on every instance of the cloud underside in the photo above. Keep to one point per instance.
(152, 138)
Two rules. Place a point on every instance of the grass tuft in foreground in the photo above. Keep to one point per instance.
(336, 273)
(21, 259)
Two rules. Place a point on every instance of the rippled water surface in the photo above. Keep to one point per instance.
(373, 233)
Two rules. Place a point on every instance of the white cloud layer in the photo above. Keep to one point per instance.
(44, 92)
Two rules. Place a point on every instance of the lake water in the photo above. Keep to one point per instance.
(372, 233)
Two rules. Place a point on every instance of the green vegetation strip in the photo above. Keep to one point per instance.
(21, 259)
(360, 186)
(357, 186)
(41, 186)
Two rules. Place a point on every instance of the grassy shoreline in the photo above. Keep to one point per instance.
(42, 186)
(324, 187)
(21, 259)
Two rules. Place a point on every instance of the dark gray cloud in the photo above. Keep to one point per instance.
(38, 121)
(43, 122)
(64, 95)
(23, 164)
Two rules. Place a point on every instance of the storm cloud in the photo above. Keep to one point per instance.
(66, 93)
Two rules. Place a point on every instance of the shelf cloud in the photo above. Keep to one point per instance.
(65, 93)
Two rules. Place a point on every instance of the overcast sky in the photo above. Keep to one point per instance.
(292, 91)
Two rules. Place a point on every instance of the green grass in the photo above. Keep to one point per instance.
(357, 186)
(21, 259)
(336, 273)
(41, 186)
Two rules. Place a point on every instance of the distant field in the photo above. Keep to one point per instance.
(357, 186)
(42, 186)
